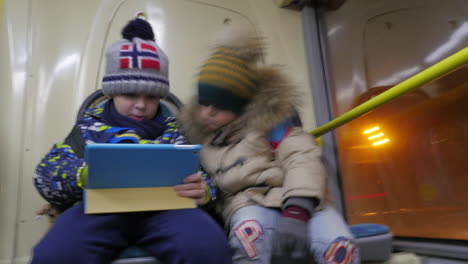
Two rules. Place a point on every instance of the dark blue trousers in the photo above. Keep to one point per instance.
(176, 236)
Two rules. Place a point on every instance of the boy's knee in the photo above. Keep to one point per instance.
(208, 249)
(56, 253)
(207, 243)
(43, 253)
(212, 237)
(341, 250)
(251, 241)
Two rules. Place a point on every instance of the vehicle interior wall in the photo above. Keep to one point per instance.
(52, 58)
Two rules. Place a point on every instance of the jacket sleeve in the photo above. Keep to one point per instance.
(300, 158)
(57, 177)
(210, 206)
(211, 186)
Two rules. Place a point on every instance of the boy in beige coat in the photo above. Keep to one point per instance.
(272, 193)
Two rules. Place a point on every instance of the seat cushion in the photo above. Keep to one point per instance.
(366, 230)
(374, 241)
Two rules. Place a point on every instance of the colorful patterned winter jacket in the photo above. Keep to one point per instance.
(239, 156)
(58, 177)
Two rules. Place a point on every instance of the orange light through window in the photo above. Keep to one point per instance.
(375, 136)
(369, 214)
(380, 142)
(371, 130)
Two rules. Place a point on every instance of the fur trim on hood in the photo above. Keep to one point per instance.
(276, 99)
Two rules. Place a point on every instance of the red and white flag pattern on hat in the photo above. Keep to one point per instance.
(139, 56)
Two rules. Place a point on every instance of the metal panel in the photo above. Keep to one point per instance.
(57, 32)
(13, 75)
(318, 84)
(448, 249)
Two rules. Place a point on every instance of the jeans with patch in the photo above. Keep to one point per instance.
(252, 228)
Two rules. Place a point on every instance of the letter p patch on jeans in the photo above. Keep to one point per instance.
(247, 232)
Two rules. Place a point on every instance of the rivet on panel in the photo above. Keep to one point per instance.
(388, 25)
(453, 23)
(141, 15)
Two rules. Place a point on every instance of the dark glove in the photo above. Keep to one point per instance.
(291, 239)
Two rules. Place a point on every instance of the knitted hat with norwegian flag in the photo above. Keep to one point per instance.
(136, 64)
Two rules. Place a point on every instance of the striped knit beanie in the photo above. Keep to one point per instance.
(136, 64)
(228, 79)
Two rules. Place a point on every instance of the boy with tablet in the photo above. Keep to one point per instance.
(135, 80)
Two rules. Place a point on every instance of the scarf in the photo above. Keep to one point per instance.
(146, 129)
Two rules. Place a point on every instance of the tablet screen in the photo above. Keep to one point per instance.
(139, 165)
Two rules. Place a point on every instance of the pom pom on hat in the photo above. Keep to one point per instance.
(139, 28)
(244, 41)
(136, 64)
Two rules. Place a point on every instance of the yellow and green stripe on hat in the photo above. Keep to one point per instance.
(226, 81)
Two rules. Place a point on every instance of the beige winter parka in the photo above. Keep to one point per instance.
(240, 159)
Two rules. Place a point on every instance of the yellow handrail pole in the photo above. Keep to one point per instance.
(435, 71)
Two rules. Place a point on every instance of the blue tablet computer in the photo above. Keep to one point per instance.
(139, 165)
(137, 177)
